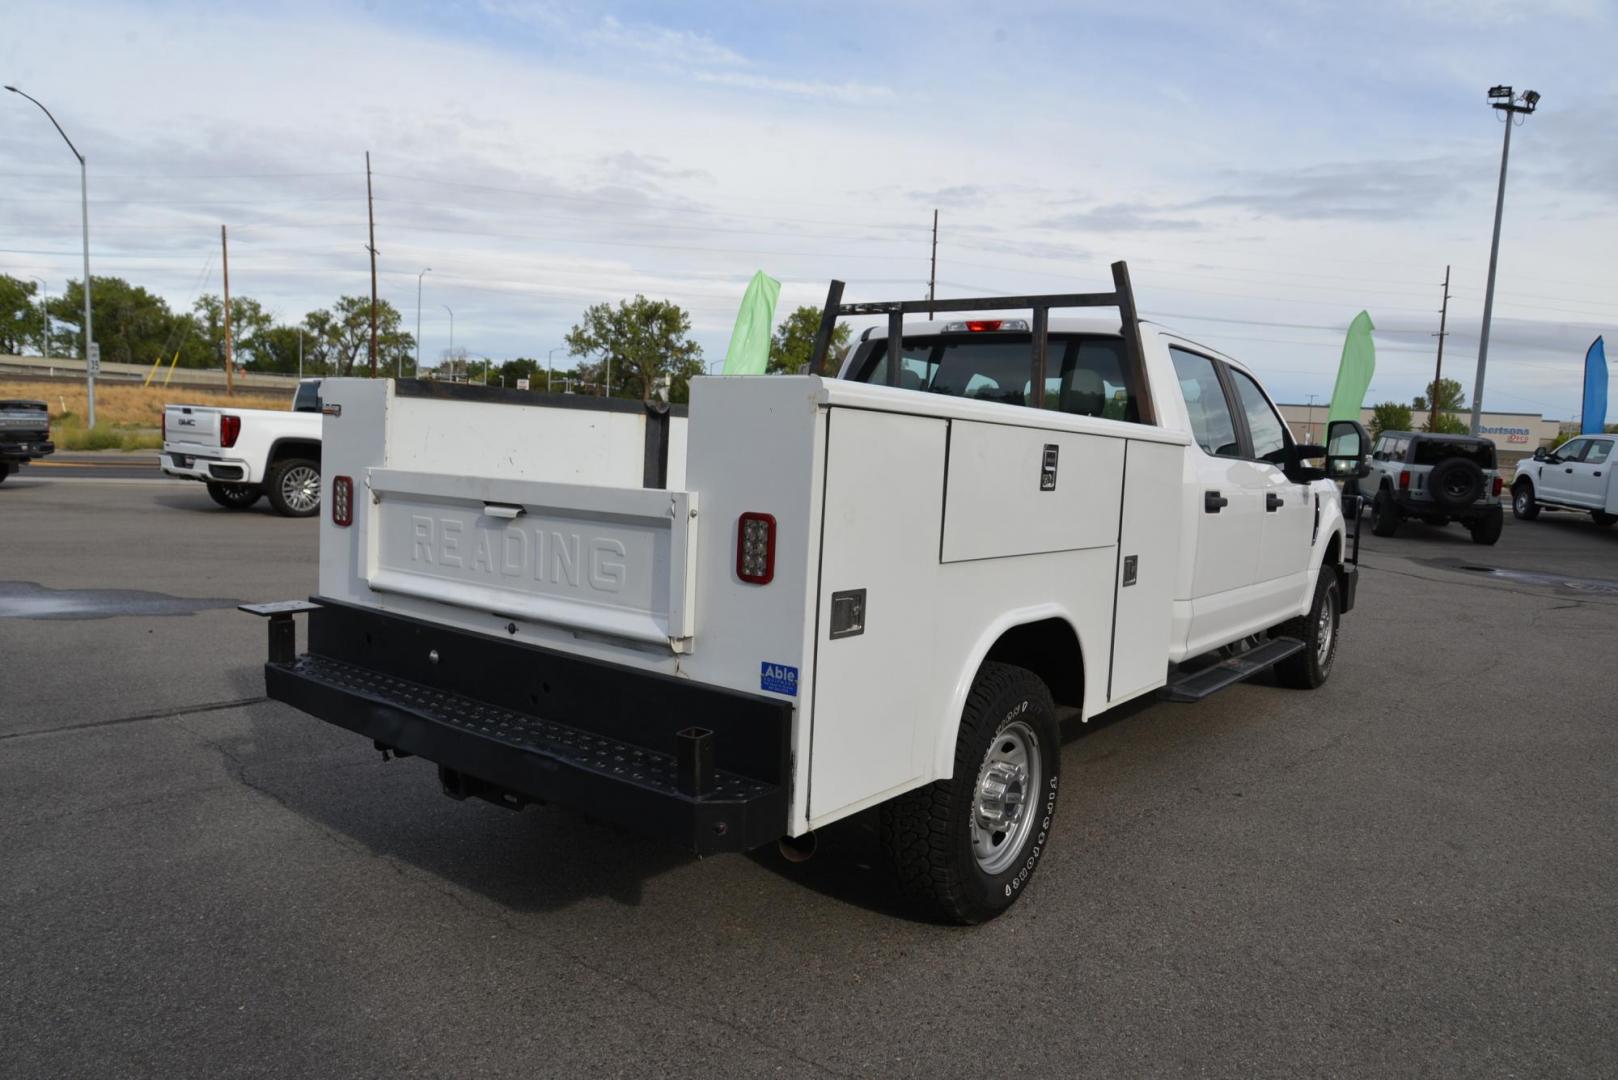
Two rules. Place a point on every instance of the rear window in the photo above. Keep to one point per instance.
(1083, 375)
(307, 398)
(1429, 452)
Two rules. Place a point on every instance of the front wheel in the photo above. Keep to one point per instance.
(233, 496)
(1310, 667)
(294, 487)
(964, 848)
(1606, 521)
(1523, 504)
(1384, 516)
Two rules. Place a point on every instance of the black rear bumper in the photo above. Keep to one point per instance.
(702, 767)
(26, 447)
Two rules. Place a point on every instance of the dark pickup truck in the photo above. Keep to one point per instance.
(25, 434)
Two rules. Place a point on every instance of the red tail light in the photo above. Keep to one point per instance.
(976, 325)
(1404, 479)
(1498, 484)
(342, 501)
(755, 548)
(229, 428)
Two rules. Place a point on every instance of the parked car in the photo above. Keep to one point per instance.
(1575, 476)
(242, 454)
(25, 434)
(1436, 479)
(817, 595)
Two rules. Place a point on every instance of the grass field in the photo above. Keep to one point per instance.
(128, 417)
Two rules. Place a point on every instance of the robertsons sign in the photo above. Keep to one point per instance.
(1512, 434)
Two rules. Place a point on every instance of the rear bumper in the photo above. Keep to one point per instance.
(1413, 507)
(192, 467)
(18, 450)
(698, 766)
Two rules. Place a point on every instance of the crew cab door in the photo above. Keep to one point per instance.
(1556, 473)
(1289, 513)
(1587, 484)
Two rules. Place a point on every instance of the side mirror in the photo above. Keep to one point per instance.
(1539, 454)
(1346, 450)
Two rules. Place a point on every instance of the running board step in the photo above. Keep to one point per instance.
(1198, 684)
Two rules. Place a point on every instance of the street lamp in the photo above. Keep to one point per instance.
(44, 318)
(1507, 102)
(550, 375)
(84, 206)
(418, 321)
(451, 340)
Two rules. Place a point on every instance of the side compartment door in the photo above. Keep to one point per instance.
(1148, 556)
(881, 535)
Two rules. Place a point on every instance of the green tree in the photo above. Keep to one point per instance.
(793, 343)
(522, 368)
(345, 336)
(274, 349)
(248, 320)
(1389, 416)
(132, 325)
(1450, 397)
(639, 343)
(21, 323)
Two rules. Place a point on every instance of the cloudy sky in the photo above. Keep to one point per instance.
(1268, 167)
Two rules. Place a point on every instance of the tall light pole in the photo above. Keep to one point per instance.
(84, 206)
(1506, 100)
(44, 318)
(419, 276)
(451, 341)
(550, 363)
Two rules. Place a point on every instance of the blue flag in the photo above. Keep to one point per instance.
(1595, 390)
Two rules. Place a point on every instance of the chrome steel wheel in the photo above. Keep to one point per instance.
(300, 488)
(1325, 628)
(1002, 805)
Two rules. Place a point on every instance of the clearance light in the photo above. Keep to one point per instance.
(975, 326)
(342, 501)
(755, 548)
(1404, 479)
(229, 428)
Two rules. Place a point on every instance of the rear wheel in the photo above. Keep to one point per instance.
(5, 470)
(1523, 504)
(1317, 630)
(1487, 530)
(233, 496)
(1604, 520)
(1384, 517)
(294, 487)
(964, 848)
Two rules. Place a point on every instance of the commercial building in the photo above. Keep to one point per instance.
(1515, 435)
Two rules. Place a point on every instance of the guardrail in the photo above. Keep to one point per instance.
(68, 367)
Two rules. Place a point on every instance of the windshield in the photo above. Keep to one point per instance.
(1084, 375)
(1431, 452)
(307, 398)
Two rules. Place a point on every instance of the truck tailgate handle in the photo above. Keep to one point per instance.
(1213, 502)
(503, 510)
(1273, 502)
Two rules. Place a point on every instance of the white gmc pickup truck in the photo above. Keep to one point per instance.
(242, 454)
(811, 595)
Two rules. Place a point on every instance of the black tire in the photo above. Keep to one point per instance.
(290, 485)
(234, 496)
(5, 470)
(1523, 504)
(1455, 483)
(1311, 667)
(1487, 530)
(1606, 521)
(1384, 515)
(946, 862)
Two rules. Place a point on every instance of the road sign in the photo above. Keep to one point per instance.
(94, 362)
(522, 384)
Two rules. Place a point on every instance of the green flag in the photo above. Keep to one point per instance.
(1354, 374)
(749, 352)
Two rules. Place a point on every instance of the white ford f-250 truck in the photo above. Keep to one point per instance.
(811, 595)
(1575, 476)
(242, 454)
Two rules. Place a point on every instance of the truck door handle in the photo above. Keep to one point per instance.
(1569, 469)
(503, 510)
(1213, 502)
(1273, 502)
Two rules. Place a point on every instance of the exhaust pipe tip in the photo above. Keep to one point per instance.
(797, 849)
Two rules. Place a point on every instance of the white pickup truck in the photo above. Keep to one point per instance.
(242, 454)
(813, 595)
(1578, 475)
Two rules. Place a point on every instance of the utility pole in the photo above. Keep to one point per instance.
(230, 350)
(1311, 436)
(1438, 372)
(370, 213)
(932, 274)
(424, 272)
(1505, 100)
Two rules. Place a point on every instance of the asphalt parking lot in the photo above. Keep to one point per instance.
(1411, 871)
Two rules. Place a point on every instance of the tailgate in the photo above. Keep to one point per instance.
(191, 425)
(619, 562)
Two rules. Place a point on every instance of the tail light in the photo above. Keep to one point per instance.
(342, 501)
(977, 326)
(755, 548)
(229, 428)
(1404, 479)
(165, 425)
(1498, 484)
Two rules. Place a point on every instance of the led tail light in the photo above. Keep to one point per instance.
(1498, 484)
(229, 428)
(755, 548)
(1404, 479)
(342, 501)
(976, 326)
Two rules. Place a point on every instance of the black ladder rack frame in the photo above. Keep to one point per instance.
(1122, 297)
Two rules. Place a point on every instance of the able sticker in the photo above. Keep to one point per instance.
(778, 679)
